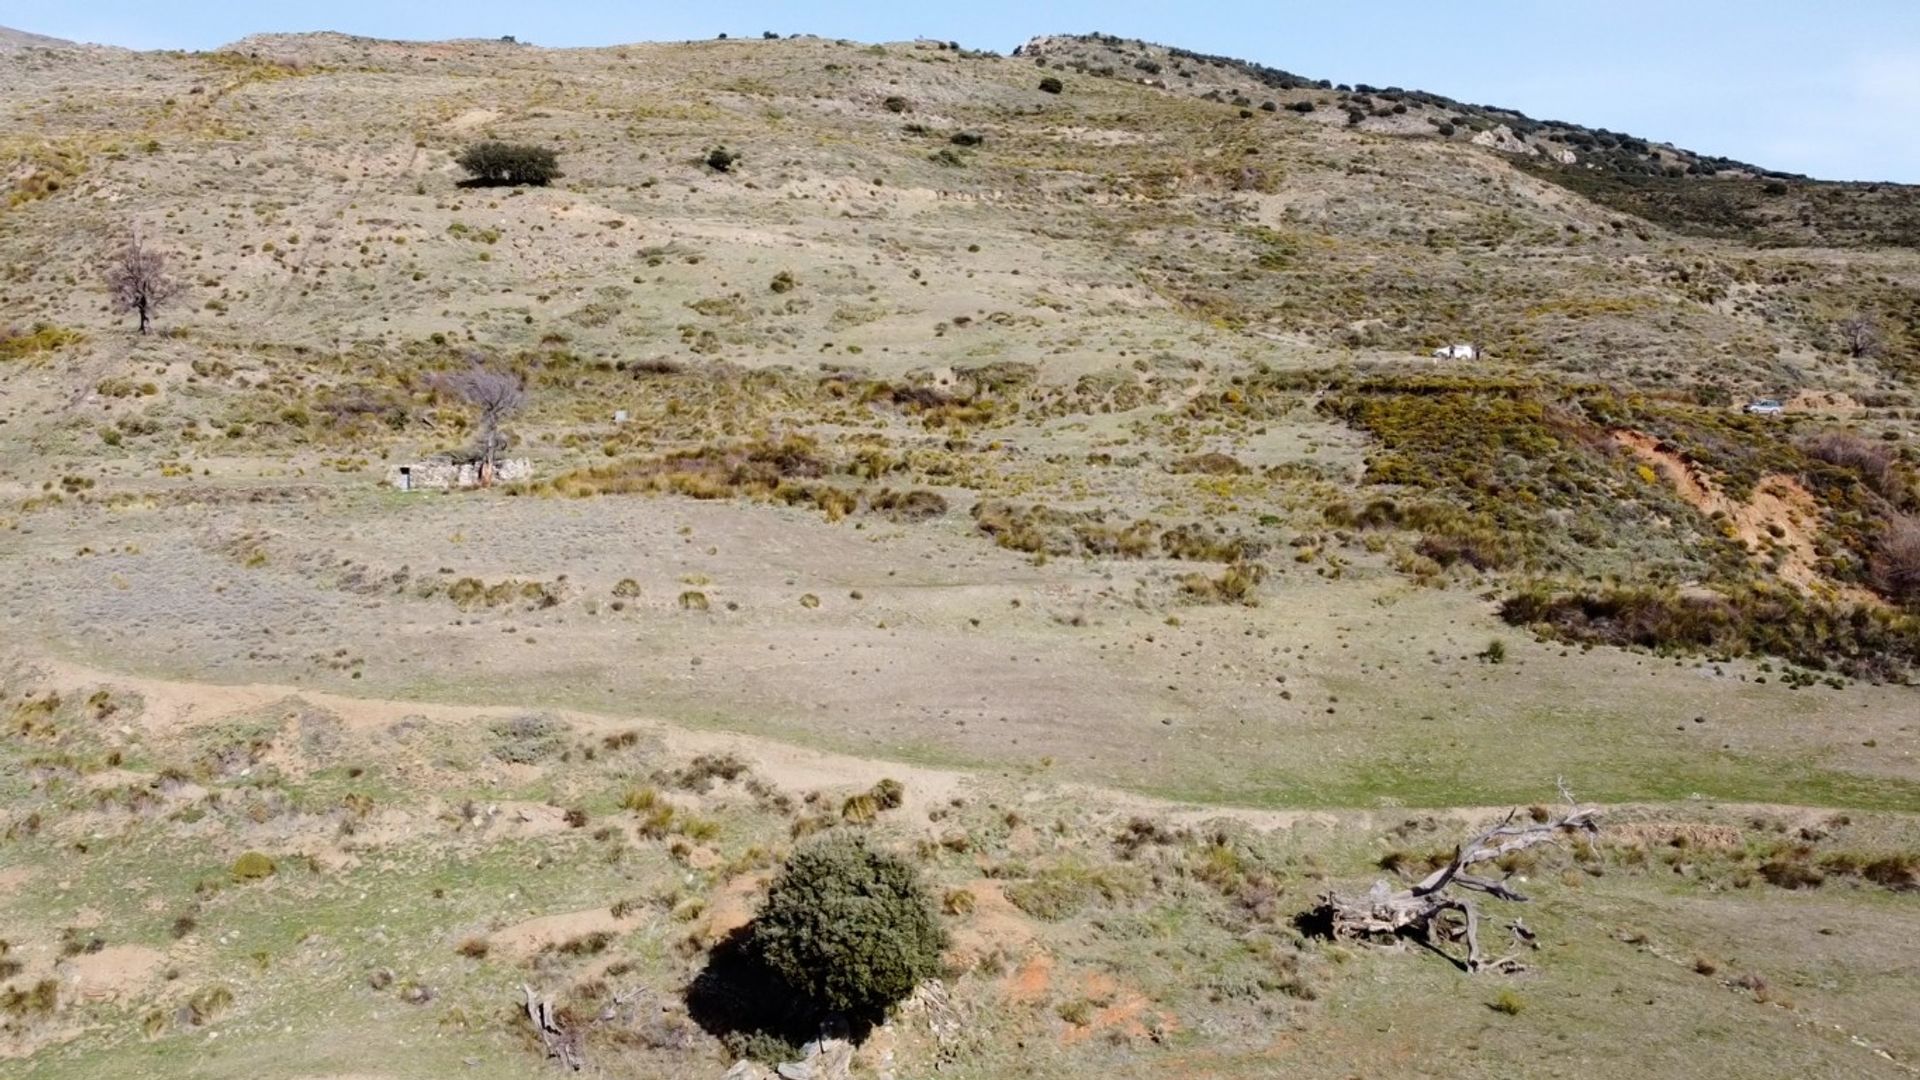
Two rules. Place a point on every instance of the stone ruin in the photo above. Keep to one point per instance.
(448, 475)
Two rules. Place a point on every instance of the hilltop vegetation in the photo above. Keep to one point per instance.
(1658, 182)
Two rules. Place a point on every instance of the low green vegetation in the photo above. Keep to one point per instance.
(850, 928)
(510, 164)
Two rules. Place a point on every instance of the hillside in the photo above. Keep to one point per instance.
(1694, 193)
(20, 39)
(1056, 435)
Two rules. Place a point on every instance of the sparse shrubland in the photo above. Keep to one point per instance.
(1094, 482)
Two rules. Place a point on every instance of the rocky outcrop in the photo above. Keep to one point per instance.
(821, 1059)
(1504, 140)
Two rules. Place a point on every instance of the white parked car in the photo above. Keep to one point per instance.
(1764, 407)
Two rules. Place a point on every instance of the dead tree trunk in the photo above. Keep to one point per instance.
(562, 1043)
(1431, 913)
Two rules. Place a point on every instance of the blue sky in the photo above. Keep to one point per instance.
(1831, 89)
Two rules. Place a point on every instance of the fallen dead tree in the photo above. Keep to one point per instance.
(1433, 912)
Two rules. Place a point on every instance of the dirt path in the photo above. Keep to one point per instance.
(174, 707)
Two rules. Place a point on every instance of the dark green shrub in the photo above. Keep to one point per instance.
(721, 159)
(1051, 85)
(1861, 641)
(966, 138)
(851, 928)
(896, 104)
(1302, 107)
(498, 163)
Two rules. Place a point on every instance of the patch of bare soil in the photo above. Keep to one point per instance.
(1674, 833)
(733, 906)
(112, 974)
(524, 939)
(1031, 982)
(1824, 403)
(1119, 1009)
(994, 924)
(1782, 515)
(12, 878)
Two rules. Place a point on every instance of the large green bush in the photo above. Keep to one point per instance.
(851, 928)
(510, 164)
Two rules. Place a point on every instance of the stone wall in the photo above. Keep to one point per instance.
(445, 475)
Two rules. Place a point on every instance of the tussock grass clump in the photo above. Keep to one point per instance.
(859, 809)
(40, 999)
(1211, 464)
(253, 866)
(1791, 865)
(1059, 892)
(918, 504)
(755, 469)
(206, 1004)
(469, 594)
(18, 344)
(1189, 543)
(700, 773)
(1237, 584)
(1051, 531)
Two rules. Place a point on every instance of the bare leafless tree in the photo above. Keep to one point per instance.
(1860, 335)
(498, 395)
(1896, 564)
(139, 281)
